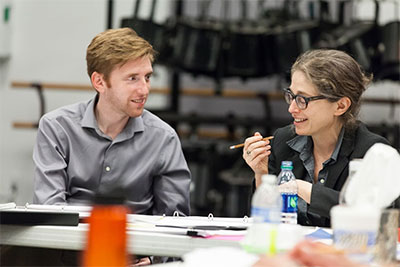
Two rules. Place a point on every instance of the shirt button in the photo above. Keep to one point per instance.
(322, 181)
(108, 169)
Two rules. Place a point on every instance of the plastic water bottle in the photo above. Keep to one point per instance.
(266, 203)
(354, 166)
(288, 188)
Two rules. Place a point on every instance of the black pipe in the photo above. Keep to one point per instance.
(110, 11)
(175, 79)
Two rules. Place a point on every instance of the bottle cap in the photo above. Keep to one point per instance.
(110, 196)
(287, 165)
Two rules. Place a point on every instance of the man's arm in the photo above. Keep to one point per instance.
(172, 183)
(49, 157)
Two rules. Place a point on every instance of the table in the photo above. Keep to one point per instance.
(74, 238)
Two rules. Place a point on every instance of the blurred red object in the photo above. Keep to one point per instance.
(106, 243)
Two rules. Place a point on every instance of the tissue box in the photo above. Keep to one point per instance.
(367, 234)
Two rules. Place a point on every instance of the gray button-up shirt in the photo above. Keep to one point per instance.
(304, 145)
(73, 159)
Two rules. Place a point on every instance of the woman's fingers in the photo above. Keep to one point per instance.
(256, 152)
(253, 143)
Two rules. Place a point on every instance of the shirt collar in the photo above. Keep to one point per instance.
(338, 145)
(299, 143)
(302, 143)
(89, 119)
(133, 125)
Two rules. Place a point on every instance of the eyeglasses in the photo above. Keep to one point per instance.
(301, 101)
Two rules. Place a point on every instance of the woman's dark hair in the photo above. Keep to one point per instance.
(336, 75)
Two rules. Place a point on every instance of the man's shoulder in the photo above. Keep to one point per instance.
(72, 111)
(153, 121)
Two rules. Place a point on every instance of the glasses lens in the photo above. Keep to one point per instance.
(288, 97)
(301, 102)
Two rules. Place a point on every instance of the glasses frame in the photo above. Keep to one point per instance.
(296, 97)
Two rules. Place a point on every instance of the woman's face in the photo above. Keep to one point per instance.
(318, 118)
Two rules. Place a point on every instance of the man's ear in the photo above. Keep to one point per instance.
(343, 104)
(98, 82)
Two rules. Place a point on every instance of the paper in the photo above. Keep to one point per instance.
(10, 205)
(84, 211)
(59, 207)
(377, 182)
(319, 233)
(227, 237)
(219, 256)
(199, 222)
(196, 226)
(193, 221)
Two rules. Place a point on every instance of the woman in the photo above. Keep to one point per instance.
(324, 99)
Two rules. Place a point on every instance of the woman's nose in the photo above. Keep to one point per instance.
(293, 107)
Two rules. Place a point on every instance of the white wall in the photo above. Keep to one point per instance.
(49, 40)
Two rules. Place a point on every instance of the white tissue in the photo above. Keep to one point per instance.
(377, 182)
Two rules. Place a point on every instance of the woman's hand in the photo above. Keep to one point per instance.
(140, 262)
(256, 153)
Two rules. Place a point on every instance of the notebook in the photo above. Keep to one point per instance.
(23, 216)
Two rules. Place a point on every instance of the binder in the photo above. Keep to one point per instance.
(38, 217)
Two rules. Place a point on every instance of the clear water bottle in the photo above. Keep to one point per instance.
(288, 189)
(354, 166)
(266, 203)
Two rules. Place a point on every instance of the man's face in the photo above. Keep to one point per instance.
(128, 87)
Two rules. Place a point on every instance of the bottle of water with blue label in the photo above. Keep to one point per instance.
(288, 189)
(266, 203)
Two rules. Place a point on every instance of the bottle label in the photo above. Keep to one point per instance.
(289, 202)
(359, 245)
(267, 215)
(361, 240)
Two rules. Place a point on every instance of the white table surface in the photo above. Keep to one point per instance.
(74, 238)
(147, 235)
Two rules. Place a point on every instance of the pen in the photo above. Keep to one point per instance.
(242, 145)
(197, 233)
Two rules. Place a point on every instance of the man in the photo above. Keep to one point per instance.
(111, 140)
